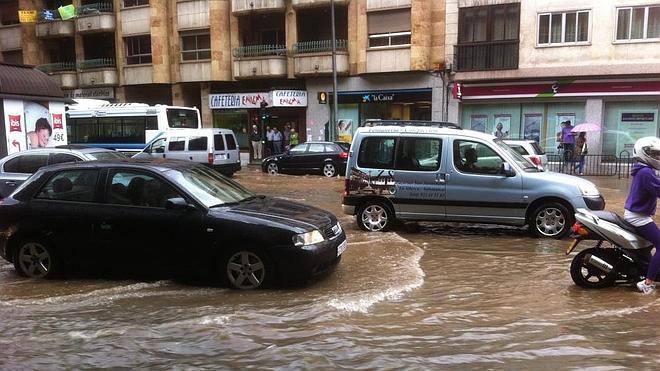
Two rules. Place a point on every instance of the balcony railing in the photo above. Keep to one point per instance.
(57, 67)
(96, 63)
(95, 8)
(259, 51)
(319, 46)
(482, 56)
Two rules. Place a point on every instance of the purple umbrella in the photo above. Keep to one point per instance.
(586, 126)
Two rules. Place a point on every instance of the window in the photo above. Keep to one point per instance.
(106, 130)
(138, 189)
(638, 23)
(231, 142)
(476, 158)
(182, 118)
(58, 158)
(152, 123)
(421, 154)
(177, 144)
(218, 142)
(195, 45)
(132, 3)
(8, 12)
(26, 164)
(376, 153)
(138, 49)
(316, 147)
(13, 57)
(563, 28)
(197, 144)
(520, 149)
(71, 185)
(299, 148)
(158, 146)
(389, 28)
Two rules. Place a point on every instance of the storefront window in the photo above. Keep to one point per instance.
(236, 120)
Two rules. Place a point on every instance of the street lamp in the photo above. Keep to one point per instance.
(333, 122)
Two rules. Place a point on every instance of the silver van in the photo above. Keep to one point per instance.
(426, 171)
(214, 147)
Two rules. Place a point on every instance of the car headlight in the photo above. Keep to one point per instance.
(309, 238)
(589, 190)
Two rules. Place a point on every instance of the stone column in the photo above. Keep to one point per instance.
(361, 37)
(120, 94)
(221, 48)
(593, 112)
(234, 38)
(291, 31)
(420, 26)
(352, 36)
(177, 95)
(119, 50)
(438, 98)
(160, 51)
(33, 48)
(174, 47)
(205, 110)
(437, 52)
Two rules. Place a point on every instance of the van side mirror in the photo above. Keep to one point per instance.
(178, 203)
(507, 170)
(159, 150)
(147, 150)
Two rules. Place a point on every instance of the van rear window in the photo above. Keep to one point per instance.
(376, 153)
(197, 144)
(177, 144)
(538, 149)
(231, 142)
(219, 143)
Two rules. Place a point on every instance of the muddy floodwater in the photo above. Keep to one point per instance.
(427, 296)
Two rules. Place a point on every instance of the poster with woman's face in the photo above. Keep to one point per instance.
(502, 126)
(37, 124)
(345, 130)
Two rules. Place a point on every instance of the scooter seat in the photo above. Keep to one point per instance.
(616, 219)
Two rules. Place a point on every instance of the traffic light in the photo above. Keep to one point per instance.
(264, 113)
(323, 97)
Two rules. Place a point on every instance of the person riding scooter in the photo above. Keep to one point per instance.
(641, 203)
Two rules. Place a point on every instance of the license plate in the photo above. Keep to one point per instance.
(342, 247)
(572, 246)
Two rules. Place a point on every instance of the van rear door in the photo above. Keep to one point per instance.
(232, 148)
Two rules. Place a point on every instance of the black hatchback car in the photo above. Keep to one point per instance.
(328, 158)
(163, 213)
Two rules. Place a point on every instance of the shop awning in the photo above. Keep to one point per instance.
(26, 82)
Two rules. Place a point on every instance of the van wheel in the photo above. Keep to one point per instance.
(329, 169)
(375, 216)
(551, 220)
(272, 168)
(35, 259)
(247, 269)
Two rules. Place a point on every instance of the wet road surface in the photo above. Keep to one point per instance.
(428, 296)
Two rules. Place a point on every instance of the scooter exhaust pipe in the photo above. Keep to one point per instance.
(599, 263)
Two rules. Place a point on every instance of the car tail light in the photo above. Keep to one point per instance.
(210, 158)
(579, 229)
(536, 160)
(343, 155)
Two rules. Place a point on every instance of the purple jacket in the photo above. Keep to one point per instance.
(644, 190)
(567, 135)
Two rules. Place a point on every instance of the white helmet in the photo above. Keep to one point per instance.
(647, 150)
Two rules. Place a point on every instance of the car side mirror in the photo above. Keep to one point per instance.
(507, 170)
(178, 203)
(147, 150)
(160, 150)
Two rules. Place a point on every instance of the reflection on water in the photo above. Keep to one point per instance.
(427, 296)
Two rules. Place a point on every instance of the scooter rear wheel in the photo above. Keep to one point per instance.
(587, 275)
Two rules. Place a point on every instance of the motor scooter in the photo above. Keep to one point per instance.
(620, 255)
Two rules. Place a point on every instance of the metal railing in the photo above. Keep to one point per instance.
(96, 63)
(259, 51)
(592, 165)
(491, 55)
(319, 46)
(101, 7)
(57, 67)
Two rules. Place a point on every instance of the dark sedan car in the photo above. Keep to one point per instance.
(328, 158)
(163, 213)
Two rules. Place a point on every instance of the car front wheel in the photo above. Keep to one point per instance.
(375, 217)
(35, 259)
(329, 169)
(551, 220)
(272, 168)
(247, 270)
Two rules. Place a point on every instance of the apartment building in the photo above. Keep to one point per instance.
(530, 65)
(229, 56)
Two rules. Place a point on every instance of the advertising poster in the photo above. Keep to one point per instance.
(562, 117)
(44, 129)
(345, 130)
(478, 123)
(636, 124)
(14, 125)
(532, 126)
(502, 126)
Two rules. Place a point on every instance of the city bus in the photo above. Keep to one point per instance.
(125, 127)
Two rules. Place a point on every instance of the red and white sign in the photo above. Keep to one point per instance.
(15, 123)
(57, 121)
(289, 98)
(238, 100)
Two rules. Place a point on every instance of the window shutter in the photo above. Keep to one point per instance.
(388, 21)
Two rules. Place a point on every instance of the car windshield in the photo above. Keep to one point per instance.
(209, 187)
(524, 163)
(105, 155)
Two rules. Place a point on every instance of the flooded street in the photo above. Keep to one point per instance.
(439, 296)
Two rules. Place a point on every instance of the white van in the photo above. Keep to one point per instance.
(215, 147)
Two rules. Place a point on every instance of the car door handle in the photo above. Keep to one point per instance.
(10, 184)
(441, 178)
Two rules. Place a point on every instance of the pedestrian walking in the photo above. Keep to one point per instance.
(257, 146)
(568, 142)
(581, 151)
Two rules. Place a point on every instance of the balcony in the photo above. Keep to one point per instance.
(301, 4)
(10, 37)
(258, 61)
(63, 73)
(315, 57)
(486, 56)
(391, 59)
(97, 72)
(56, 28)
(242, 7)
(94, 18)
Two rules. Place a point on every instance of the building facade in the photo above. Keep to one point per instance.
(228, 56)
(531, 65)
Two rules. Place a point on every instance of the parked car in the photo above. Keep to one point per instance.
(17, 167)
(328, 158)
(420, 172)
(214, 147)
(163, 213)
(529, 149)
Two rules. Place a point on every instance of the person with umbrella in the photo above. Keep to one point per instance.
(580, 151)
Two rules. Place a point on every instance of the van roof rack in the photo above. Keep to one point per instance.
(426, 123)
